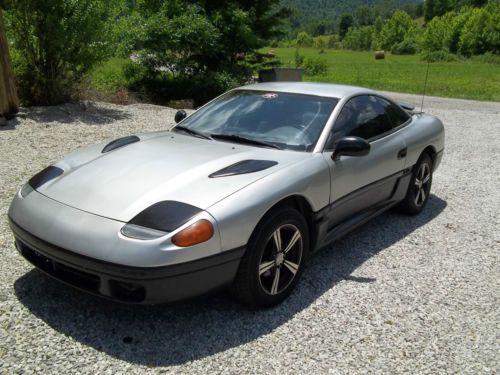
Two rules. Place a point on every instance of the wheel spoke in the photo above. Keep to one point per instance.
(417, 182)
(293, 241)
(422, 194)
(266, 266)
(417, 198)
(274, 288)
(422, 172)
(277, 239)
(426, 179)
(293, 267)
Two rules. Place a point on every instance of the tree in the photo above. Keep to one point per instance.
(56, 42)
(200, 48)
(364, 16)
(469, 32)
(436, 8)
(399, 28)
(359, 38)
(346, 21)
(481, 31)
(9, 103)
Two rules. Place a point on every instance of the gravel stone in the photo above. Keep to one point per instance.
(398, 295)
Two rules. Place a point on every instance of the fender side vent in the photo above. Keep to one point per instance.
(243, 167)
(120, 142)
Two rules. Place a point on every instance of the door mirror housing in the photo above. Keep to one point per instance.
(180, 115)
(351, 146)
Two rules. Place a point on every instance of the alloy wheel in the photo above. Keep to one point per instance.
(280, 259)
(422, 184)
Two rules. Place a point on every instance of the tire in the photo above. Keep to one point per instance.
(419, 188)
(267, 276)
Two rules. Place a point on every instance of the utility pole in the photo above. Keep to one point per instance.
(9, 101)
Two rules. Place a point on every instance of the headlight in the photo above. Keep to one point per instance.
(159, 219)
(25, 190)
(141, 233)
(39, 179)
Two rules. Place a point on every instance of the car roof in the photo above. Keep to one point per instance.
(309, 88)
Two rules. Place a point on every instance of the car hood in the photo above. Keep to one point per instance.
(164, 166)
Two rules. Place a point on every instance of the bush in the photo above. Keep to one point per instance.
(334, 42)
(299, 59)
(304, 40)
(487, 58)
(439, 56)
(201, 87)
(406, 47)
(56, 43)
(315, 66)
(115, 74)
(321, 42)
(359, 38)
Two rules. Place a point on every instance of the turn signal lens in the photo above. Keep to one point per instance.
(199, 232)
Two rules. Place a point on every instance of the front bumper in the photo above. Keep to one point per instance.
(148, 285)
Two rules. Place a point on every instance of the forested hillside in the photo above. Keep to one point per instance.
(313, 11)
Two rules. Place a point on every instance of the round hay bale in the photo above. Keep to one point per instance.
(379, 55)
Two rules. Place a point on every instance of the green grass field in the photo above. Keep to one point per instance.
(465, 79)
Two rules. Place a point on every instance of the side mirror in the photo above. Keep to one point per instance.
(180, 115)
(351, 146)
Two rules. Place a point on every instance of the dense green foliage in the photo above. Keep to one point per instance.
(470, 31)
(200, 48)
(319, 17)
(174, 49)
(192, 48)
(398, 29)
(55, 43)
(435, 8)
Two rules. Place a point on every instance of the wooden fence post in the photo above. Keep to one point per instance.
(9, 101)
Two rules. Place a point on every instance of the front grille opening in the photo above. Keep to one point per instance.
(127, 291)
(70, 275)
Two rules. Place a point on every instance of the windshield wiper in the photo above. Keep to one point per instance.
(240, 139)
(192, 132)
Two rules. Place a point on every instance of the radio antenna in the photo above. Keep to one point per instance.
(425, 87)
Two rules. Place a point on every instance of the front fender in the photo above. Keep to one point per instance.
(238, 214)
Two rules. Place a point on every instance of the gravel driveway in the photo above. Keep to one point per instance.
(401, 294)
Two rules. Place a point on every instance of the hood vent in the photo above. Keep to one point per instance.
(120, 142)
(44, 176)
(243, 167)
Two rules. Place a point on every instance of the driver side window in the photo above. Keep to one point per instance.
(362, 116)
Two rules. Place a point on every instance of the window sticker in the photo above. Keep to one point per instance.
(270, 95)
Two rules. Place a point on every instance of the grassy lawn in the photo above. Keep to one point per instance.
(463, 79)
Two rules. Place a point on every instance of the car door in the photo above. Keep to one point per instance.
(367, 182)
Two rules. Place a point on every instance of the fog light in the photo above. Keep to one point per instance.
(196, 233)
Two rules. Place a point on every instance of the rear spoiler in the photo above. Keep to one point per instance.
(407, 106)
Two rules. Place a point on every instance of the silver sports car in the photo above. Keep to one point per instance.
(239, 194)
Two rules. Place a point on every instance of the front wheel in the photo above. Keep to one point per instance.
(274, 259)
(419, 189)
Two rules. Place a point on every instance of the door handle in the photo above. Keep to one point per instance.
(402, 153)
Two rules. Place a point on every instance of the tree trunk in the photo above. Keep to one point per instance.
(9, 102)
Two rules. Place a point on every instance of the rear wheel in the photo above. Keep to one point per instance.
(419, 189)
(274, 259)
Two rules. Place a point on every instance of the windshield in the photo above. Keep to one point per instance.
(282, 120)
